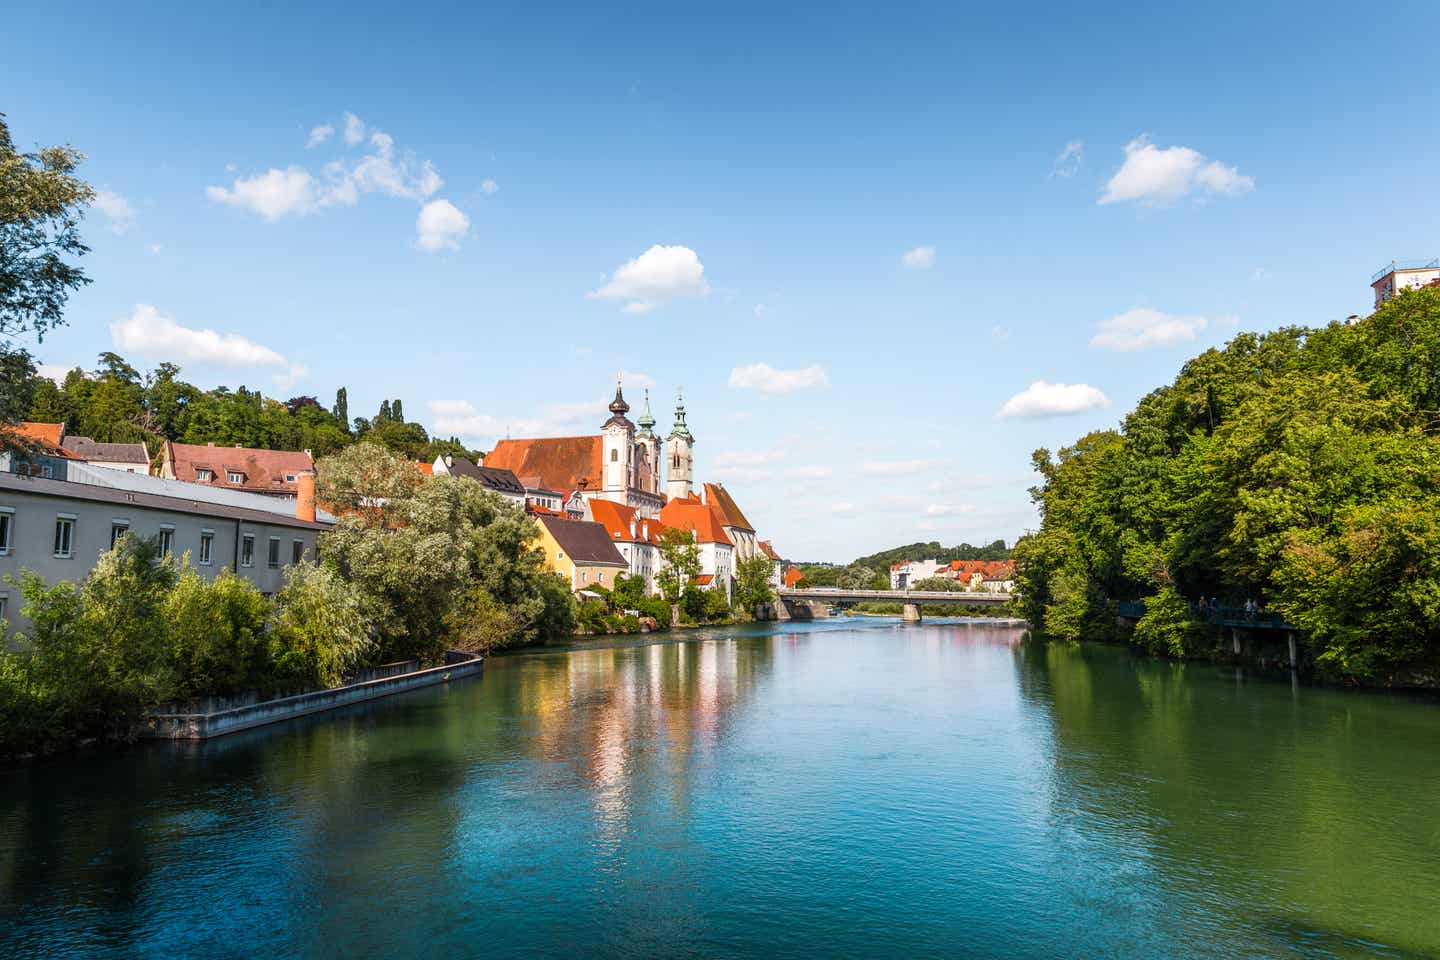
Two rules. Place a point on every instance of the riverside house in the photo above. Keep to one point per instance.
(580, 551)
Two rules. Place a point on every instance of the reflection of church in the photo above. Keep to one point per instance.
(621, 464)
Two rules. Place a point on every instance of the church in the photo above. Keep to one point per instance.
(623, 464)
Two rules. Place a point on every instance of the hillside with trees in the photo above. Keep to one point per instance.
(1298, 469)
(873, 572)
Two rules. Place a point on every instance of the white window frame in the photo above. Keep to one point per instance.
(272, 554)
(64, 521)
(247, 556)
(207, 547)
(204, 476)
(120, 524)
(166, 540)
(234, 476)
(7, 530)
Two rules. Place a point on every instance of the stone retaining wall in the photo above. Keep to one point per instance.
(203, 726)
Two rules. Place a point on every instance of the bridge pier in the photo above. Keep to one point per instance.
(910, 613)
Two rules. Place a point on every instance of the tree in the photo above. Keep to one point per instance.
(318, 629)
(679, 562)
(342, 408)
(752, 582)
(41, 204)
(396, 412)
(384, 416)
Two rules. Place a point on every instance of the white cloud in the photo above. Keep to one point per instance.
(760, 309)
(815, 471)
(748, 458)
(895, 468)
(639, 308)
(634, 378)
(440, 226)
(1142, 328)
(842, 508)
(354, 129)
(116, 208)
(1042, 399)
(53, 371)
(1157, 177)
(767, 379)
(147, 332)
(948, 509)
(272, 194)
(295, 190)
(292, 376)
(919, 258)
(1067, 164)
(155, 248)
(488, 186)
(319, 135)
(656, 276)
(461, 418)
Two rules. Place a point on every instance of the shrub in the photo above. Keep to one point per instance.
(217, 634)
(317, 629)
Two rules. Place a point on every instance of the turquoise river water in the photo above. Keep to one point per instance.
(855, 788)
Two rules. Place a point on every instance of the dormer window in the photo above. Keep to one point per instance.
(204, 476)
(235, 476)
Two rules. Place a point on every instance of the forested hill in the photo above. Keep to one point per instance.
(1298, 469)
(117, 403)
(934, 551)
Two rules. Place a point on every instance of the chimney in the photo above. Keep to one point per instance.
(305, 497)
(632, 528)
(449, 461)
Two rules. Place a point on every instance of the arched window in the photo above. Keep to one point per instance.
(676, 464)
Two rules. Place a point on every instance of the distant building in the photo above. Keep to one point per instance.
(129, 457)
(777, 566)
(580, 551)
(905, 575)
(501, 482)
(271, 472)
(792, 577)
(1399, 275)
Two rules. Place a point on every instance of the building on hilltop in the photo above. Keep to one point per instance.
(1400, 275)
(272, 472)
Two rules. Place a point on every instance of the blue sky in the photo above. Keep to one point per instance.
(857, 237)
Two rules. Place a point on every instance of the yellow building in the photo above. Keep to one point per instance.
(580, 551)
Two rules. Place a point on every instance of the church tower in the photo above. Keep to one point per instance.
(678, 455)
(647, 458)
(617, 449)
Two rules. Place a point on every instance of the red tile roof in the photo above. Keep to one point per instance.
(703, 579)
(730, 515)
(264, 470)
(703, 520)
(988, 569)
(768, 549)
(42, 438)
(616, 518)
(560, 463)
(792, 577)
(426, 467)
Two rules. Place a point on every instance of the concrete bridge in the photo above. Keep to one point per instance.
(910, 600)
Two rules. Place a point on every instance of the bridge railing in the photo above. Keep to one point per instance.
(1219, 616)
(903, 596)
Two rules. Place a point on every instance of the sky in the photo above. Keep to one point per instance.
(886, 253)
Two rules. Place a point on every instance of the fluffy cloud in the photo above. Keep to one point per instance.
(1042, 399)
(292, 376)
(461, 418)
(656, 276)
(894, 468)
(814, 471)
(767, 379)
(295, 190)
(746, 464)
(440, 226)
(53, 371)
(919, 258)
(149, 333)
(488, 186)
(1067, 164)
(1142, 328)
(1157, 177)
(116, 208)
(319, 135)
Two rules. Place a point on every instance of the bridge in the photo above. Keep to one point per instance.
(910, 600)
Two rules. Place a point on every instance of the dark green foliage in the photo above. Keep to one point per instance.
(1299, 469)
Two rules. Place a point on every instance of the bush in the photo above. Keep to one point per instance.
(217, 634)
(692, 603)
(717, 605)
(656, 608)
(318, 629)
(1166, 623)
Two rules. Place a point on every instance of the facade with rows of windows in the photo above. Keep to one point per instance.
(57, 529)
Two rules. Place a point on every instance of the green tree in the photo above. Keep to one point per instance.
(318, 629)
(752, 582)
(341, 410)
(679, 562)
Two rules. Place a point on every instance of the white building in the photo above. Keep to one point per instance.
(905, 575)
(1400, 275)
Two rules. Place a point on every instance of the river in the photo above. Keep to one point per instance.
(854, 787)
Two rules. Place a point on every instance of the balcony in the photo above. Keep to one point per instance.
(1394, 265)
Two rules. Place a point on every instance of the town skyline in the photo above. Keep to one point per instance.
(882, 278)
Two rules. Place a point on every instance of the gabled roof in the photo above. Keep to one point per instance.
(616, 519)
(768, 550)
(87, 449)
(792, 577)
(559, 463)
(492, 478)
(425, 467)
(42, 438)
(52, 433)
(584, 542)
(719, 498)
(701, 519)
(263, 470)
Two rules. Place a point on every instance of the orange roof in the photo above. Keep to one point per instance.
(425, 467)
(703, 579)
(561, 463)
(768, 549)
(264, 471)
(730, 515)
(616, 518)
(40, 437)
(986, 568)
(701, 519)
(792, 577)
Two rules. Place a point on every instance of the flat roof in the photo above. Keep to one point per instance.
(63, 489)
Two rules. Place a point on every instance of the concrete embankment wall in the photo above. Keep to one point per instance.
(204, 724)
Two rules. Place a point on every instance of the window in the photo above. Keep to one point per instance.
(7, 524)
(584, 576)
(297, 551)
(118, 529)
(676, 463)
(207, 546)
(235, 476)
(47, 471)
(64, 536)
(272, 559)
(204, 476)
(614, 455)
(247, 550)
(289, 478)
(167, 540)
(3, 598)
